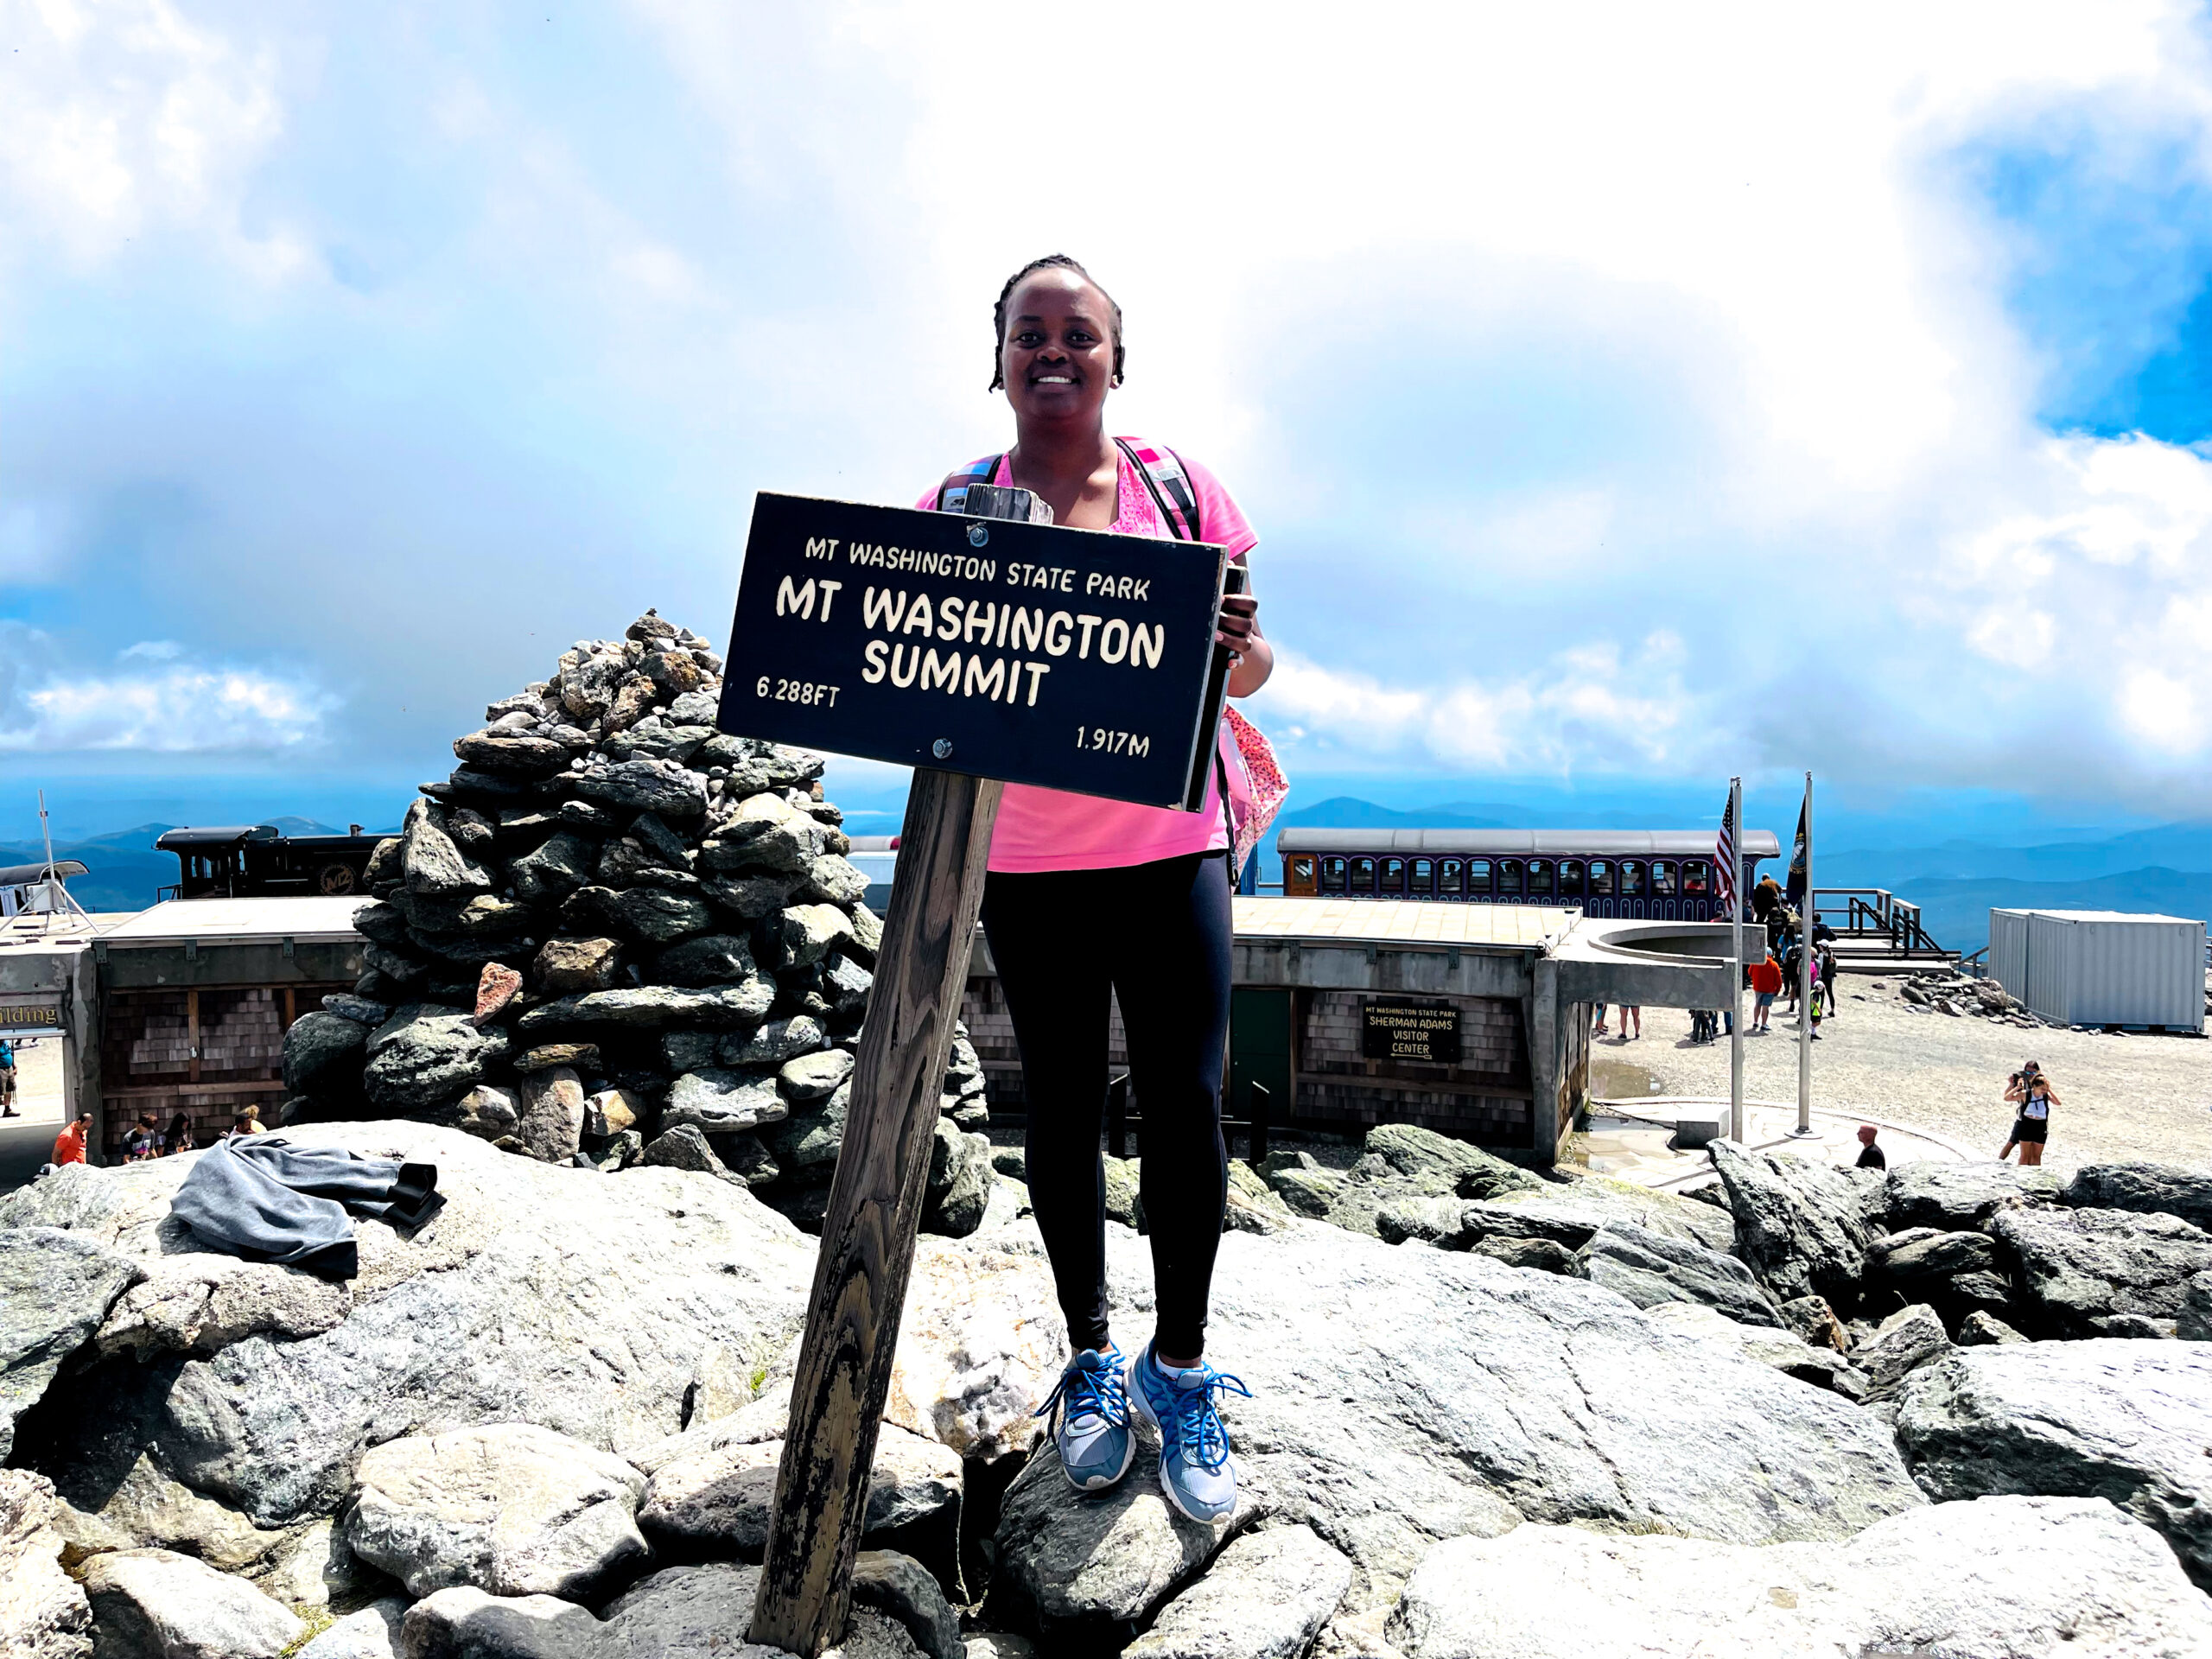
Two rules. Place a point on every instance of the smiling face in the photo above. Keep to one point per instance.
(1058, 357)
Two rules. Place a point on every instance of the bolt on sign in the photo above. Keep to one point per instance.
(1401, 1031)
(1074, 659)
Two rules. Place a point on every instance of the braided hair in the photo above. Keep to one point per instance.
(1060, 261)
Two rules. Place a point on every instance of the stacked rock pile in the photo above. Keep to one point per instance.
(1961, 995)
(618, 936)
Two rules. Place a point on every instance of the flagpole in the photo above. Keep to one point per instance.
(1805, 980)
(1737, 1126)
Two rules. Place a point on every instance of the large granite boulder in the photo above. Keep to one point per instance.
(370, 1632)
(1090, 1567)
(511, 1507)
(1649, 1268)
(2004, 1577)
(959, 1181)
(463, 1621)
(902, 1588)
(154, 1604)
(2149, 1189)
(562, 1297)
(1955, 1273)
(43, 1613)
(1403, 1161)
(1803, 1228)
(55, 1289)
(713, 1498)
(323, 1056)
(1910, 1338)
(2079, 1268)
(1513, 1396)
(1784, 1351)
(1266, 1597)
(423, 1059)
(2121, 1420)
(704, 1613)
(1961, 1198)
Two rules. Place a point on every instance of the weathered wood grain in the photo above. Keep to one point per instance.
(875, 1205)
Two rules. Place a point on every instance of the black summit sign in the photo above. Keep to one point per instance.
(1073, 660)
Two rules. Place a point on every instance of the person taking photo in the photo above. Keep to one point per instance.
(2031, 1091)
(1089, 900)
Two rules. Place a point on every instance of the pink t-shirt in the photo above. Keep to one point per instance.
(1052, 830)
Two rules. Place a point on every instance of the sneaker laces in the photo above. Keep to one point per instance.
(1085, 1392)
(1198, 1427)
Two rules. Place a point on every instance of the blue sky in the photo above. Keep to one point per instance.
(1624, 399)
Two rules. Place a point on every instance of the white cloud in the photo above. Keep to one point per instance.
(1587, 708)
(171, 707)
(121, 115)
(1521, 330)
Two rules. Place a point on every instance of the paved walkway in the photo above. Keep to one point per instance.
(27, 1143)
(1632, 1139)
(1889, 1062)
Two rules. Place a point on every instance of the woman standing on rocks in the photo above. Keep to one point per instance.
(2031, 1091)
(1087, 900)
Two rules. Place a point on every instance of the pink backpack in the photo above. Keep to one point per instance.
(1252, 784)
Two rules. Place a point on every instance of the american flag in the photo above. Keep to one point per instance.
(1724, 856)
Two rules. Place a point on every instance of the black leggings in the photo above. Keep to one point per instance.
(1158, 937)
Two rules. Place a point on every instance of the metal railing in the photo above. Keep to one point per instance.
(1870, 913)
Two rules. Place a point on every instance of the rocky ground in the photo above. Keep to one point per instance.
(2124, 1096)
(1958, 1411)
(620, 973)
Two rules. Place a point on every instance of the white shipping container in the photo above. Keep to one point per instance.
(2101, 967)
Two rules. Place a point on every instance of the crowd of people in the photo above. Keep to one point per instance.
(146, 1138)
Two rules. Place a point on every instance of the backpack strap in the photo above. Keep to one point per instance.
(952, 494)
(1170, 484)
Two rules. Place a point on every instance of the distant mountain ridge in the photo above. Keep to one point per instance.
(1956, 912)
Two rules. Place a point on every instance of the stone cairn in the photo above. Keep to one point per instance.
(616, 936)
(1961, 995)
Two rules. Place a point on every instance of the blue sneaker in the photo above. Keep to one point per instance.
(1090, 1429)
(1195, 1470)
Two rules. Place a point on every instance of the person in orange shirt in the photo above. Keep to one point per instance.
(1766, 982)
(69, 1145)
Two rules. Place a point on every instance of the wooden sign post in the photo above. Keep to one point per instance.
(980, 652)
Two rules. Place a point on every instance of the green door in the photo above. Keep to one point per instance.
(1259, 1051)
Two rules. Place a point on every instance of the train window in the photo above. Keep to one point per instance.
(1394, 877)
(1631, 879)
(1333, 875)
(1662, 877)
(1697, 878)
(1539, 878)
(1423, 885)
(1479, 878)
(1509, 877)
(1570, 881)
(1601, 878)
(1299, 877)
(1363, 877)
(1450, 878)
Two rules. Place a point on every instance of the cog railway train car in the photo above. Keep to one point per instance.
(1626, 874)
